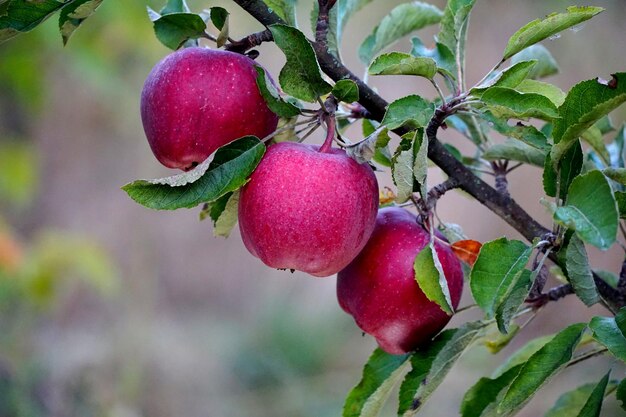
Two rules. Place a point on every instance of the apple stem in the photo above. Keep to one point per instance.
(330, 133)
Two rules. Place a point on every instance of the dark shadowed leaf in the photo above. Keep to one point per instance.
(174, 29)
(621, 393)
(23, 15)
(402, 20)
(270, 94)
(540, 29)
(301, 76)
(579, 272)
(380, 374)
(228, 171)
(611, 332)
(431, 364)
(541, 367)
(497, 270)
(429, 275)
(591, 210)
(546, 64)
(569, 166)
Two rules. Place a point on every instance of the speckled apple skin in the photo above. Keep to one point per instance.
(196, 100)
(308, 210)
(379, 290)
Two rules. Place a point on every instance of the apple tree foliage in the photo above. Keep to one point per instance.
(569, 135)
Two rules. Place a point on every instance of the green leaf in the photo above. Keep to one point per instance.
(442, 56)
(380, 374)
(510, 77)
(579, 272)
(508, 103)
(399, 63)
(621, 393)
(572, 403)
(591, 210)
(24, 15)
(285, 9)
(611, 332)
(540, 29)
(593, 137)
(228, 171)
(522, 355)
(429, 275)
(271, 96)
(365, 150)
(453, 28)
(74, 14)
(513, 300)
(528, 134)
(346, 91)
(585, 104)
(498, 268)
(214, 209)
(410, 111)
(541, 367)
(339, 15)
(420, 165)
(569, 166)
(620, 198)
(174, 29)
(301, 76)
(402, 165)
(481, 398)
(227, 218)
(402, 20)
(382, 155)
(551, 91)
(546, 64)
(431, 365)
(515, 150)
(219, 18)
(175, 6)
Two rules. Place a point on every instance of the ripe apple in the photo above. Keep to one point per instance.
(379, 290)
(308, 208)
(196, 100)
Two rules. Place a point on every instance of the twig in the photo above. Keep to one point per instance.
(249, 42)
(586, 355)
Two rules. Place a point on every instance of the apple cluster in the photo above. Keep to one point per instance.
(306, 207)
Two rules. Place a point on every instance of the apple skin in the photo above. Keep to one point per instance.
(308, 210)
(196, 100)
(379, 290)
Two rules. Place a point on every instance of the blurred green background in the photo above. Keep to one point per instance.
(109, 309)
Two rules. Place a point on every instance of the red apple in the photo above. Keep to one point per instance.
(198, 99)
(308, 208)
(379, 290)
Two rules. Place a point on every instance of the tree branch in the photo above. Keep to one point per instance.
(501, 204)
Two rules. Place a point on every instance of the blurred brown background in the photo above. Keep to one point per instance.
(115, 310)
